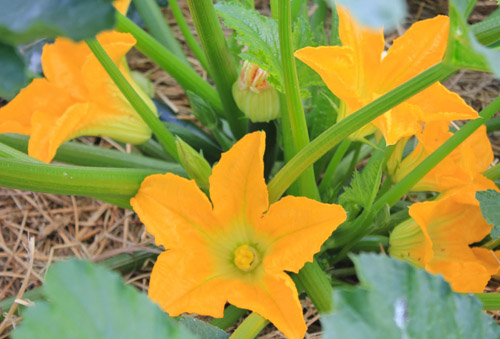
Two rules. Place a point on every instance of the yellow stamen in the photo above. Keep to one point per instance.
(245, 257)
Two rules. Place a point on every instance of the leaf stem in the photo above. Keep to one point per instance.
(491, 301)
(220, 61)
(338, 132)
(186, 32)
(328, 177)
(250, 327)
(153, 17)
(166, 139)
(185, 75)
(231, 315)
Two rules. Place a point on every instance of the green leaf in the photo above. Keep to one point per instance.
(489, 202)
(376, 13)
(257, 32)
(25, 20)
(364, 186)
(464, 50)
(89, 301)
(12, 72)
(202, 329)
(397, 300)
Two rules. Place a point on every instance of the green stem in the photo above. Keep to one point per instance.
(185, 75)
(492, 244)
(491, 301)
(231, 315)
(250, 327)
(116, 185)
(328, 177)
(166, 139)
(220, 61)
(76, 153)
(493, 125)
(319, 16)
(493, 173)
(338, 132)
(295, 9)
(311, 276)
(295, 110)
(186, 32)
(488, 31)
(158, 27)
(402, 187)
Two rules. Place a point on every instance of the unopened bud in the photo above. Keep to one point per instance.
(144, 83)
(254, 95)
(196, 166)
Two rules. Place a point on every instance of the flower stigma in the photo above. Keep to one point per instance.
(245, 258)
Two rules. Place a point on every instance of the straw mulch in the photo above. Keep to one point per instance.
(65, 226)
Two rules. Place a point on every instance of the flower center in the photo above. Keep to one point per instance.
(245, 258)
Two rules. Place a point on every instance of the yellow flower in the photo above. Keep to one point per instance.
(76, 97)
(458, 172)
(438, 238)
(357, 72)
(234, 247)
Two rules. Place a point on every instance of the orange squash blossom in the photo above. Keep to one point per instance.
(357, 72)
(234, 247)
(76, 97)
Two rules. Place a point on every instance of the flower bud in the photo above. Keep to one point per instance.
(254, 95)
(144, 83)
(196, 166)
(407, 242)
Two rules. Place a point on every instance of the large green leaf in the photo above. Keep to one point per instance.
(376, 13)
(25, 20)
(397, 300)
(89, 301)
(464, 50)
(12, 72)
(489, 202)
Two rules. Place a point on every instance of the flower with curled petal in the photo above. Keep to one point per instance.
(76, 97)
(234, 247)
(357, 72)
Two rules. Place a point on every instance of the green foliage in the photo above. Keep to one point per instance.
(464, 50)
(377, 13)
(397, 300)
(12, 72)
(364, 186)
(24, 20)
(260, 34)
(489, 202)
(89, 301)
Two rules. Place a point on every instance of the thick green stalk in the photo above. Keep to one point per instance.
(76, 153)
(185, 75)
(328, 177)
(311, 276)
(116, 185)
(166, 139)
(493, 173)
(11, 153)
(220, 61)
(250, 327)
(296, 117)
(153, 17)
(493, 125)
(231, 315)
(190, 39)
(491, 301)
(402, 187)
(338, 132)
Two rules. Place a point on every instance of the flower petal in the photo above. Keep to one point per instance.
(488, 258)
(334, 64)
(422, 46)
(439, 104)
(367, 46)
(464, 277)
(237, 187)
(39, 95)
(122, 6)
(399, 122)
(298, 226)
(174, 210)
(275, 298)
(183, 281)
